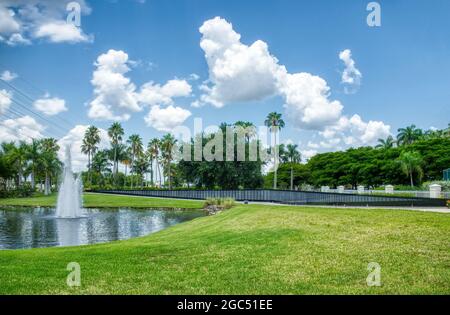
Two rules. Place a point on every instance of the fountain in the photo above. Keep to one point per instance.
(69, 195)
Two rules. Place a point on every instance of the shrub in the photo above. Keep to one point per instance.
(445, 185)
(222, 203)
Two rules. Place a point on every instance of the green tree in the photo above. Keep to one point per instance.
(33, 155)
(275, 123)
(387, 143)
(168, 143)
(154, 149)
(50, 162)
(411, 162)
(136, 149)
(89, 146)
(293, 156)
(408, 135)
(115, 133)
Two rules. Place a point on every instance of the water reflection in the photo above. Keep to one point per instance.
(38, 227)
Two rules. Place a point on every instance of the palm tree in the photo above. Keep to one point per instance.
(115, 133)
(247, 126)
(167, 145)
(50, 162)
(275, 123)
(411, 162)
(17, 155)
(408, 135)
(90, 145)
(387, 143)
(154, 147)
(140, 167)
(33, 155)
(136, 149)
(126, 160)
(293, 156)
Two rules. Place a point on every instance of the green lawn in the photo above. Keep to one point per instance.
(251, 249)
(106, 201)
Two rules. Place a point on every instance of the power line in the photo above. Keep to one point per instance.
(32, 112)
(32, 100)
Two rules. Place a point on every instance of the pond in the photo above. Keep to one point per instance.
(24, 227)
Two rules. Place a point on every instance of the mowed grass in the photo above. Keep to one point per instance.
(91, 200)
(252, 249)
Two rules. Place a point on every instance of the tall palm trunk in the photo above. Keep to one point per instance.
(411, 178)
(32, 179)
(131, 171)
(275, 162)
(292, 178)
(89, 167)
(170, 177)
(159, 171)
(47, 184)
(151, 172)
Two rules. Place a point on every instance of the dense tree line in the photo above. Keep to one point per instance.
(36, 161)
(413, 157)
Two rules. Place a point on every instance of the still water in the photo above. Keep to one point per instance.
(25, 227)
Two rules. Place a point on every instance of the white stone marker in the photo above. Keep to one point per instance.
(435, 191)
(389, 189)
(325, 188)
(360, 189)
(340, 189)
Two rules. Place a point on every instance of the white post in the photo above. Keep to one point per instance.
(340, 189)
(325, 188)
(360, 189)
(389, 189)
(435, 191)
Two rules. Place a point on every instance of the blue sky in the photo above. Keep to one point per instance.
(405, 63)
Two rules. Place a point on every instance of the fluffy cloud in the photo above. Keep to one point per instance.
(61, 31)
(50, 106)
(22, 128)
(166, 119)
(17, 39)
(5, 100)
(306, 101)
(24, 20)
(115, 95)
(155, 94)
(351, 131)
(74, 139)
(8, 76)
(237, 72)
(240, 72)
(8, 23)
(351, 76)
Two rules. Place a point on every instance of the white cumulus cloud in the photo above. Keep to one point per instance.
(351, 76)
(61, 31)
(50, 106)
(155, 94)
(22, 21)
(237, 72)
(8, 76)
(5, 100)
(240, 72)
(115, 95)
(23, 128)
(166, 119)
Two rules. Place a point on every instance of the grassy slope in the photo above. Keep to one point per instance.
(253, 249)
(105, 201)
